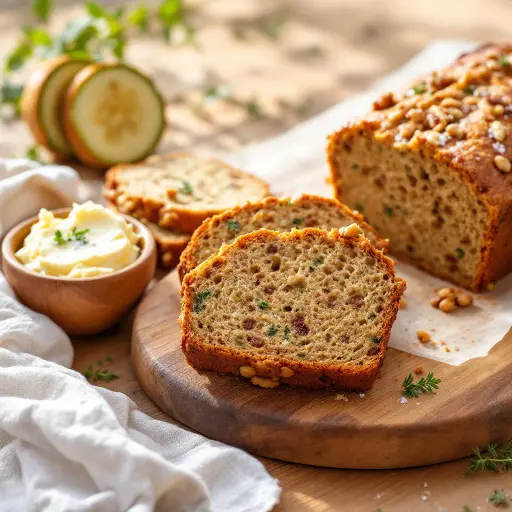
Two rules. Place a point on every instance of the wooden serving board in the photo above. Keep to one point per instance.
(472, 407)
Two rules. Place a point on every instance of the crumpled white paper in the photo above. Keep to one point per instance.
(295, 162)
(66, 445)
(26, 186)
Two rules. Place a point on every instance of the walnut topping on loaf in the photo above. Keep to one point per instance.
(433, 164)
(326, 323)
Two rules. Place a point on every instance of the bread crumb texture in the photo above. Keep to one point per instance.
(272, 213)
(309, 307)
(430, 169)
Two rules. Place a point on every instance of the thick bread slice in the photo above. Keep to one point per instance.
(309, 307)
(178, 191)
(272, 213)
(169, 243)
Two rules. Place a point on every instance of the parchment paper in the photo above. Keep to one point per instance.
(295, 163)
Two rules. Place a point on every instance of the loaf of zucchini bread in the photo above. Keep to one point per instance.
(278, 214)
(430, 169)
(308, 308)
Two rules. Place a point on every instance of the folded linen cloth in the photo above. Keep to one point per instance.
(66, 445)
(27, 186)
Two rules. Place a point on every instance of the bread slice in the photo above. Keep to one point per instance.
(432, 169)
(169, 244)
(178, 191)
(272, 213)
(309, 308)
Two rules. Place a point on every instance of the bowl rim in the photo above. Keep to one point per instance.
(147, 251)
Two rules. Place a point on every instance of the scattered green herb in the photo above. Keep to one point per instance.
(360, 207)
(316, 262)
(233, 226)
(297, 222)
(470, 89)
(254, 109)
(286, 333)
(199, 299)
(217, 92)
(100, 373)
(302, 355)
(505, 63)
(460, 253)
(185, 188)
(79, 235)
(58, 238)
(10, 96)
(33, 153)
(262, 304)
(375, 339)
(494, 458)
(498, 498)
(388, 211)
(424, 385)
(272, 330)
(420, 88)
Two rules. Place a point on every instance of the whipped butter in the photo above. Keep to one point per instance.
(91, 241)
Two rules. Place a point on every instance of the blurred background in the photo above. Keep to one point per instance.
(235, 71)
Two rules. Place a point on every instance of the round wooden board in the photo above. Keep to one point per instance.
(472, 407)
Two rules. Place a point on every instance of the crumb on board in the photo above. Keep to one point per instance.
(433, 343)
(443, 343)
(423, 336)
(402, 304)
(418, 370)
(447, 349)
(457, 349)
(341, 396)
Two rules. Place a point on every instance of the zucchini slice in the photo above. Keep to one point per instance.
(42, 102)
(113, 114)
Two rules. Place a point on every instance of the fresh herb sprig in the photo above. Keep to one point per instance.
(100, 373)
(498, 498)
(426, 384)
(495, 458)
(75, 236)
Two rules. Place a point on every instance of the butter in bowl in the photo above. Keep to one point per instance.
(83, 267)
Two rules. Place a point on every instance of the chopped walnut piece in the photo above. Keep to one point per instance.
(423, 336)
(498, 131)
(502, 163)
(447, 305)
(385, 101)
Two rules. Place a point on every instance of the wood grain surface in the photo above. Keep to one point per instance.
(357, 42)
(325, 428)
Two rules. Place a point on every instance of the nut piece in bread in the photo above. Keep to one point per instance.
(278, 214)
(430, 166)
(178, 191)
(309, 308)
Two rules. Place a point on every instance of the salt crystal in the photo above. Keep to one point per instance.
(361, 395)
(403, 400)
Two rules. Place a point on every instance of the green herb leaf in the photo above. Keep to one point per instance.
(262, 304)
(17, 58)
(359, 207)
(140, 18)
(79, 236)
(233, 226)
(199, 299)
(425, 385)
(498, 497)
(42, 9)
(470, 89)
(254, 109)
(420, 88)
(95, 10)
(272, 330)
(388, 211)
(33, 153)
(460, 253)
(59, 238)
(494, 458)
(316, 262)
(302, 355)
(286, 333)
(185, 188)
(505, 63)
(38, 37)
(297, 222)
(216, 93)
(466, 508)
(375, 339)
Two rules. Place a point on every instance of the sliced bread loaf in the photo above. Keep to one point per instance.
(272, 213)
(178, 191)
(309, 307)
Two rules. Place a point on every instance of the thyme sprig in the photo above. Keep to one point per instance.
(426, 384)
(498, 497)
(100, 373)
(496, 457)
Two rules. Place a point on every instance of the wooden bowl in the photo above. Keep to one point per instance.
(79, 306)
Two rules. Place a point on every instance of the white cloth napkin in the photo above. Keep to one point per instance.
(66, 445)
(26, 187)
